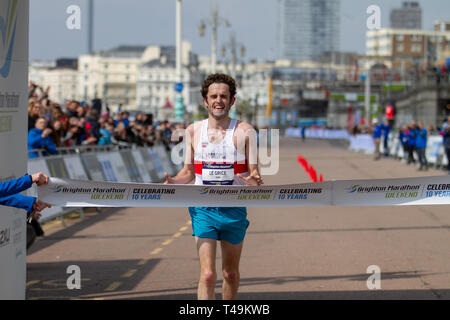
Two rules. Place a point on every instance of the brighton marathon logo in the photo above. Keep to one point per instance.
(151, 193)
(8, 33)
(298, 194)
(438, 190)
(96, 193)
(242, 194)
(391, 191)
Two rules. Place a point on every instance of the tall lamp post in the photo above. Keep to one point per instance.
(179, 105)
(214, 22)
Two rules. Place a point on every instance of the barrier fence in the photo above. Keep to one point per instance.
(434, 152)
(121, 163)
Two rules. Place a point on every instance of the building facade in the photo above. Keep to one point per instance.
(306, 29)
(409, 16)
(155, 85)
(62, 78)
(403, 48)
(111, 75)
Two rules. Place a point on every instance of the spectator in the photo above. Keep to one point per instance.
(403, 137)
(377, 138)
(411, 135)
(58, 133)
(105, 134)
(446, 136)
(125, 119)
(34, 112)
(39, 138)
(421, 144)
(386, 128)
(72, 108)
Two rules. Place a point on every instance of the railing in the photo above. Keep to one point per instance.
(113, 163)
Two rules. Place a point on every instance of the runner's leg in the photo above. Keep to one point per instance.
(231, 254)
(208, 276)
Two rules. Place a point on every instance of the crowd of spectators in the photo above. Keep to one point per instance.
(75, 123)
(413, 138)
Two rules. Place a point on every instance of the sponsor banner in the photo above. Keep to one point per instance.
(318, 133)
(57, 167)
(384, 192)
(393, 192)
(77, 193)
(93, 166)
(131, 166)
(75, 167)
(157, 163)
(148, 161)
(166, 162)
(140, 164)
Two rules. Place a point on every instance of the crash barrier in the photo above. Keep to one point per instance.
(124, 163)
(379, 192)
(435, 151)
(318, 133)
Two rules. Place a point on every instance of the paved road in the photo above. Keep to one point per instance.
(289, 253)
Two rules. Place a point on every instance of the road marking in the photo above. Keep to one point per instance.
(183, 228)
(157, 250)
(129, 273)
(168, 241)
(142, 262)
(176, 235)
(32, 282)
(113, 286)
(98, 299)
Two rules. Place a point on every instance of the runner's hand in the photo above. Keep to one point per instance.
(169, 180)
(251, 180)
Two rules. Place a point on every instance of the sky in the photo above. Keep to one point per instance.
(152, 22)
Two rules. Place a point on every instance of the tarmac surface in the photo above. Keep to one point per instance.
(289, 253)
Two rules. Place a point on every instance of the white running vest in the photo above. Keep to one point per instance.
(218, 164)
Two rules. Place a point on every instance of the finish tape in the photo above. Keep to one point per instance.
(382, 192)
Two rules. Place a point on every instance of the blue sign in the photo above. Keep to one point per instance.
(179, 87)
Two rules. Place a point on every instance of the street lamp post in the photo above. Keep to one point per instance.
(214, 22)
(179, 105)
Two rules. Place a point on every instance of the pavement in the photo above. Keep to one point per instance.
(289, 253)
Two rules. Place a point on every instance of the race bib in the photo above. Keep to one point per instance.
(218, 173)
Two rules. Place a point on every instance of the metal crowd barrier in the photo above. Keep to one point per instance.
(434, 152)
(112, 163)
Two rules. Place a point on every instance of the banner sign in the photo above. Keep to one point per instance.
(383, 192)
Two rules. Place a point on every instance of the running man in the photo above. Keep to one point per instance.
(219, 154)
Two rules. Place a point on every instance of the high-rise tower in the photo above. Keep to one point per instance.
(306, 29)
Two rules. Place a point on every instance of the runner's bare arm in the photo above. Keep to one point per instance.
(187, 173)
(251, 154)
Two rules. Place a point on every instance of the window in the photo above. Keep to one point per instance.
(399, 37)
(400, 47)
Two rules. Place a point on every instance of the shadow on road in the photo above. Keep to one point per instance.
(97, 277)
(181, 294)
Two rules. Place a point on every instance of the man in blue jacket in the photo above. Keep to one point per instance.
(421, 145)
(39, 138)
(386, 128)
(10, 196)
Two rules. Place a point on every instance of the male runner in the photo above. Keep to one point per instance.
(219, 154)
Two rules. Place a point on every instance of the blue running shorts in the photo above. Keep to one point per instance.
(224, 223)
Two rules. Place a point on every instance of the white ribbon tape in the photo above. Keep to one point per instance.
(383, 192)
